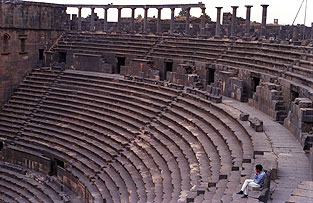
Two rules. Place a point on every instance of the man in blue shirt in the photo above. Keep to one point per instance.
(257, 182)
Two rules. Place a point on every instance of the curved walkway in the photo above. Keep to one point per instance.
(293, 164)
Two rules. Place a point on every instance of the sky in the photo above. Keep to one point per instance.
(283, 10)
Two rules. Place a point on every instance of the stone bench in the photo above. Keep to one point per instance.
(256, 124)
(142, 108)
(211, 96)
(154, 101)
(95, 109)
(89, 165)
(145, 113)
(183, 146)
(175, 86)
(116, 87)
(204, 129)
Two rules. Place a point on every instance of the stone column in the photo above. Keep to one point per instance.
(202, 29)
(248, 19)
(119, 16)
(295, 33)
(145, 23)
(132, 21)
(187, 31)
(218, 23)
(172, 21)
(105, 25)
(264, 16)
(92, 20)
(159, 28)
(233, 23)
(79, 20)
(311, 31)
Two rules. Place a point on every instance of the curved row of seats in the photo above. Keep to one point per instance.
(17, 185)
(99, 44)
(129, 141)
(293, 63)
(290, 62)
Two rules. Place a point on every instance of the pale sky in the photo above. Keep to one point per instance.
(284, 10)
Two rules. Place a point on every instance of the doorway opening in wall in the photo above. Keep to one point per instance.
(23, 45)
(255, 83)
(59, 163)
(168, 68)
(5, 46)
(294, 95)
(54, 166)
(188, 69)
(120, 62)
(40, 51)
(211, 75)
(1, 146)
(62, 57)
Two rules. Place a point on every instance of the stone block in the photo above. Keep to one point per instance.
(244, 116)
(256, 124)
(209, 89)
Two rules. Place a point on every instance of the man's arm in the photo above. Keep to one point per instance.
(259, 179)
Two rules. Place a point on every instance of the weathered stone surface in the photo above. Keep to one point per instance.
(244, 117)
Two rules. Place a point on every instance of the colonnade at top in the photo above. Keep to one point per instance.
(187, 7)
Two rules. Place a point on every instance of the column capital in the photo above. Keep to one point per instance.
(92, 8)
(146, 8)
(159, 9)
(264, 5)
(106, 8)
(79, 8)
(248, 6)
(173, 9)
(219, 7)
(203, 9)
(235, 7)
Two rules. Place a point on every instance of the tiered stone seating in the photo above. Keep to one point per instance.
(127, 140)
(191, 49)
(303, 193)
(20, 185)
(97, 44)
(286, 61)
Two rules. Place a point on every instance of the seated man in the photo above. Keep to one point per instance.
(257, 182)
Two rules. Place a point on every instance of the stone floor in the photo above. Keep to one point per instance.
(293, 163)
(303, 193)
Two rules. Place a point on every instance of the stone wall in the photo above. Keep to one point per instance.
(66, 178)
(28, 160)
(25, 32)
(268, 98)
(300, 121)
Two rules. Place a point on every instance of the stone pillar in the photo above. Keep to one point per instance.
(264, 16)
(132, 21)
(218, 23)
(119, 16)
(233, 23)
(145, 23)
(105, 25)
(79, 20)
(172, 21)
(312, 34)
(295, 33)
(187, 31)
(159, 27)
(248, 19)
(92, 20)
(202, 29)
